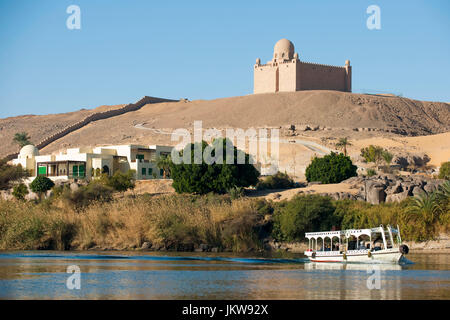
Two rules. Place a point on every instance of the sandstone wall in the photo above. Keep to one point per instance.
(311, 76)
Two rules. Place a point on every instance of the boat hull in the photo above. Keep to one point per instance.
(360, 256)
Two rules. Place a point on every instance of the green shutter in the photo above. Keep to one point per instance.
(75, 171)
(140, 156)
(42, 170)
(161, 172)
(150, 171)
(81, 170)
(143, 171)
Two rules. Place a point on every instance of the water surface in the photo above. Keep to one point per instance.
(125, 275)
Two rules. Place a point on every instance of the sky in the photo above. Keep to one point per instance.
(206, 49)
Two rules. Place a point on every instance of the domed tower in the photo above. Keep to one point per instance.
(26, 158)
(28, 152)
(283, 50)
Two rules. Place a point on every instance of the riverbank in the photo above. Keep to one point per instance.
(209, 223)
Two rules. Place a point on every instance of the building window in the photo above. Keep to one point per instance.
(144, 171)
(150, 171)
(161, 172)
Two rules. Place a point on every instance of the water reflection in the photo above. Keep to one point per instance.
(42, 275)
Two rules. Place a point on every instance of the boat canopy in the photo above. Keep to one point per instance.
(348, 233)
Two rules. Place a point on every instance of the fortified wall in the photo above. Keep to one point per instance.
(285, 72)
(94, 117)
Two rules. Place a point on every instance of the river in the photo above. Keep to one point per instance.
(130, 275)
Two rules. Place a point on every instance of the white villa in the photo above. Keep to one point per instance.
(84, 163)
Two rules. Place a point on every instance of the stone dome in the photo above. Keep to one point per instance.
(283, 50)
(29, 151)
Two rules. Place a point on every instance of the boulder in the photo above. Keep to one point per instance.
(146, 245)
(417, 191)
(396, 188)
(74, 186)
(397, 197)
(375, 193)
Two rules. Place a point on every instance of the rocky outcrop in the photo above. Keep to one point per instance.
(391, 188)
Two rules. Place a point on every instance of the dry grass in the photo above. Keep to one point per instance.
(172, 221)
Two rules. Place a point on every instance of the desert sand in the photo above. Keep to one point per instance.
(319, 116)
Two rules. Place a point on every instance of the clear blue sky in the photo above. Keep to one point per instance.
(206, 49)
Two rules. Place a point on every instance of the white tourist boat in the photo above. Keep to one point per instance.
(373, 245)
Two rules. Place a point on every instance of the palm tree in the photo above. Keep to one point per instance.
(443, 197)
(425, 211)
(163, 162)
(22, 139)
(343, 143)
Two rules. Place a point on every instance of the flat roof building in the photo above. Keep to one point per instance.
(87, 162)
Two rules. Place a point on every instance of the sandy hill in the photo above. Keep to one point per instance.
(336, 113)
(40, 126)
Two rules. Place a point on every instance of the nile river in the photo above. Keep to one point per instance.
(125, 275)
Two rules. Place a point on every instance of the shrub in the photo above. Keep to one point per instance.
(276, 181)
(41, 184)
(204, 178)
(303, 214)
(371, 172)
(444, 171)
(83, 196)
(372, 154)
(236, 193)
(20, 191)
(122, 181)
(332, 168)
(10, 174)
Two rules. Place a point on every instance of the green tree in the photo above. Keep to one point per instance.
(212, 176)
(22, 139)
(444, 171)
(20, 191)
(40, 185)
(163, 162)
(9, 174)
(303, 214)
(332, 168)
(343, 143)
(372, 154)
